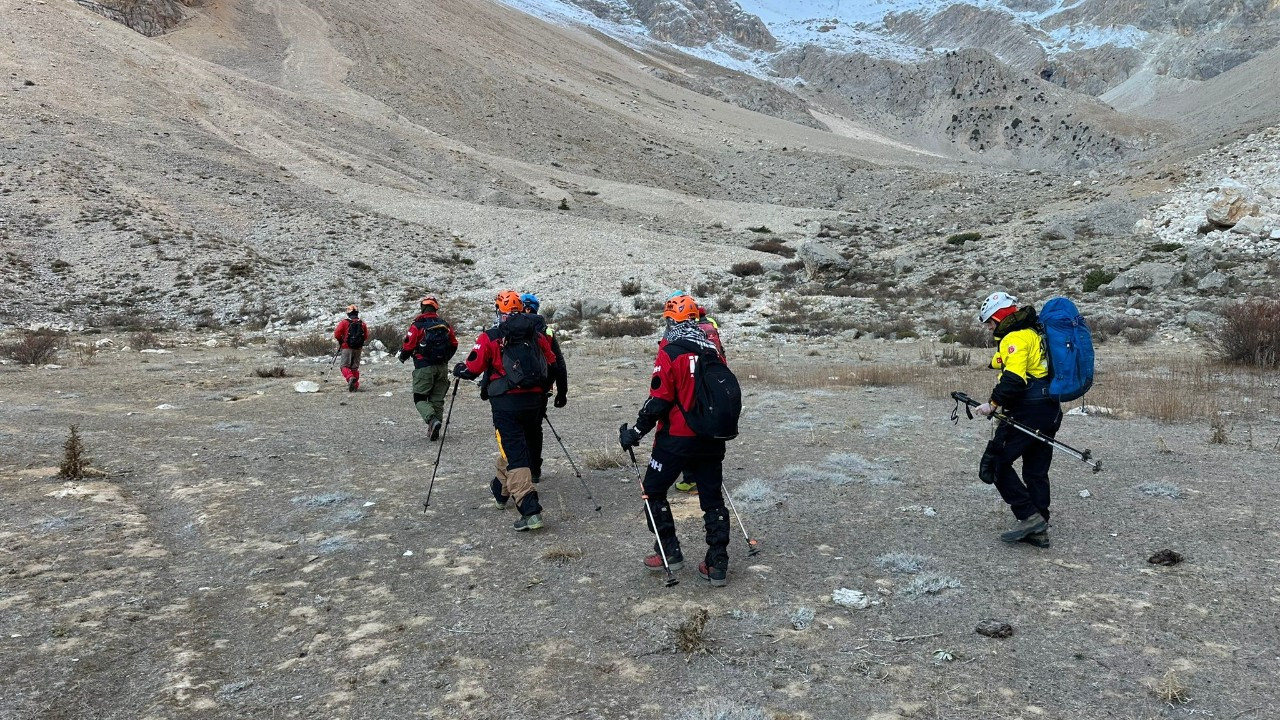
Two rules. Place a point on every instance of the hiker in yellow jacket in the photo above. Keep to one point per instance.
(1021, 393)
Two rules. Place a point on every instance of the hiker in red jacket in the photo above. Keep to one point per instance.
(351, 334)
(431, 343)
(515, 362)
(678, 449)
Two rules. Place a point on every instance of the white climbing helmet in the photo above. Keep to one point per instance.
(996, 301)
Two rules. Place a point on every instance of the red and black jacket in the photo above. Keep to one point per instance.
(671, 387)
(420, 325)
(340, 332)
(485, 358)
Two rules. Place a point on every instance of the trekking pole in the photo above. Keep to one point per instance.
(1085, 456)
(443, 434)
(324, 373)
(571, 462)
(753, 545)
(653, 523)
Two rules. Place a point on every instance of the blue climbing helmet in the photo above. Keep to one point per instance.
(530, 302)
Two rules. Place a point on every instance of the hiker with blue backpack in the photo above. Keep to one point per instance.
(694, 402)
(515, 363)
(431, 342)
(1043, 360)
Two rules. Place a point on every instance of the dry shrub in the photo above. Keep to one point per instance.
(86, 354)
(629, 288)
(389, 334)
(620, 327)
(34, 347)
(602, 458)
(953, 356)
(144, 340)
(1250, 334)
(74, 461)
(1171, 689)
(690, 635)
(276, 371)
(306, 346)
(773, 246)
(747, 269)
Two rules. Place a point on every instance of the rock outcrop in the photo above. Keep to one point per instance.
(149, 17)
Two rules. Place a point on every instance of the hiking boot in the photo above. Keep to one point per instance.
(434, 428)
(352, 384)
(528, 522)
(535, 477)
(1040, 539)
(687, 487)
(654, 562)
(718, 577)
(1034, 524)
(500, 504)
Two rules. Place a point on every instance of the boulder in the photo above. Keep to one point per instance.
(591, 307)
(1254, 225)
(837, 228)
(1200, 321)
(821, 259)
(1057, 232)
(1233, 201)
(1147, 276)
(1213, 282)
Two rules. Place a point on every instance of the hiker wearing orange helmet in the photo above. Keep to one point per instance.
(431, 343)
(351, 334)
(515, 363)
(678, 449)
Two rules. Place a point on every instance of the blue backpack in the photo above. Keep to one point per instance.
(1069, 348)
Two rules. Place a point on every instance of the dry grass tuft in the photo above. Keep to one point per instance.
(621, 327)
(690, 635)
(603, 458)
(145, 340)
(307, 346)
(276, 371)
(1171, 689)
(560, 554)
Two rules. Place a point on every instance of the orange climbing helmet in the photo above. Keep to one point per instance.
(509, 302)
(680, 308)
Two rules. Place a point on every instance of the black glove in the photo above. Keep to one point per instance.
(561, 400)
(460, 371)
(403, 356)
(629, 437)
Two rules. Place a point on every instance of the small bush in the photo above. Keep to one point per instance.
(905, 563)
(34, 347)
(726, 303)
(1170, 689)
(607, 327)
(391, 336)
(690, 635)
(561, 554)
(762, 229)
(773, 246)
(86, 354)
(629, 288)
(603, 458)
(951, 357)
(962, 238)
(296, 317)
(747, 269)
(1250, 334)
(564, 203)
(358, 265)
(275, 371)
(74, 461)
(929, 583)
(308, 346)
(1096, 278)
(1166, 247)
(453, 258)
(144, 340)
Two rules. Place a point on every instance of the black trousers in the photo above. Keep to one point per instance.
(534, 438)
(705, 468)
(1029, 494)
(518, 421)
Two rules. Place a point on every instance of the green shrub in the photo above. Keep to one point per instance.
(1096, 278)
(964, 237)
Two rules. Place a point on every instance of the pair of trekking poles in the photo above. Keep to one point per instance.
(753, 545)
(445, 433)
(1085, 456)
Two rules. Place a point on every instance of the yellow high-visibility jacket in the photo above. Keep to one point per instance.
(1020, 358)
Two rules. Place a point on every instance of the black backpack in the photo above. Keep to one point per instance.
(523, 363)
(355, 333)
(433, 346)
(717, 398)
